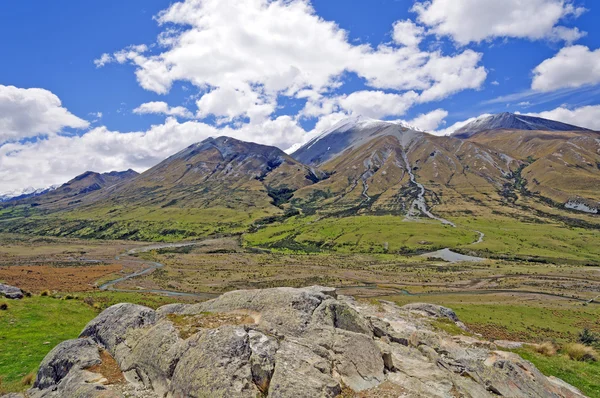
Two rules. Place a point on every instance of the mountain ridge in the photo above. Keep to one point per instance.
(512, 121)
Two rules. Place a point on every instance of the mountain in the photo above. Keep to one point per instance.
(75, 190)
(219, 172)
(26, 193)
(380, 167)
(358, 167)
(511, 121)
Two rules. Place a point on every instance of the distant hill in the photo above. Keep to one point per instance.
(75, 190)
(511, 121)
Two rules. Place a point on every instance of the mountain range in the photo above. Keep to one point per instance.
(359, 166)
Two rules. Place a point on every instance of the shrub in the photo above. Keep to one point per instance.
(547, 349)
(45, 293)
(587, 337)
(3, 307)
(580, 352)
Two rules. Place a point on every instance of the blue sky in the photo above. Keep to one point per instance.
(124, 84)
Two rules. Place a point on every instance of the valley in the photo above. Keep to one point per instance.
(498, 225)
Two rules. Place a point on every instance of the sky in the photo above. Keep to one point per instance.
(114, 85)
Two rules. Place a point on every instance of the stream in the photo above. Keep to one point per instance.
(150, 266)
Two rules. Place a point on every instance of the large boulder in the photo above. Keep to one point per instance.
(10, 292)
(281, 343)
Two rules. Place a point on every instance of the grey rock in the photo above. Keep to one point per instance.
(78, 354)
(10, 292)
(303, 370)
(284, 311)
(358, 360)
(262, 359)
(304, 343)
(342, 316)
(216, 364)
(436, 311)
(13, 395)
(110, 328)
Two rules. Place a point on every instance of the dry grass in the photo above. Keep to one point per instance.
(188, 325)
(547, 349)
(109, 369)
(580, 352)
(28, 379)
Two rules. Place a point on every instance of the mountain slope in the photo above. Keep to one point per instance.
(511, 121)
(561, 166)
(383, 167)
(218, 172)
(77, 190)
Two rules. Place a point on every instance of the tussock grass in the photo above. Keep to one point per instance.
(580, 352)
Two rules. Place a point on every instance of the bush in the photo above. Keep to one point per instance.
(547, 349)
(45, 293)
(3, 307)
(580, 352)
(587, 337)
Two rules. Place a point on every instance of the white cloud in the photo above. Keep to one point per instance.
(429, 121)
(160, 107)
(477, 20)
(229, 103)
(255, 51)
(573, 66)
(31, 112)
(586, 116)
(495, 83)
(407, 33)
(377, 104)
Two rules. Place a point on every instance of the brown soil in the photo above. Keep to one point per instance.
(37, 278)
(109, 369)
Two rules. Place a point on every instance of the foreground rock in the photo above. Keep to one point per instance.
(284, 342)
(10, 292)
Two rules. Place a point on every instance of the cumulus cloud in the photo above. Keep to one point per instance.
(30, 112)
(229, 103)
(162, 108)
(586, 116)
(243, 55)
(407, 33)
(572, 67)
(377, 104)
(429, 121)
(467, 21)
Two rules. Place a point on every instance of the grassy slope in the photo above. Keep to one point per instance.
(30, 328)
(584, 375)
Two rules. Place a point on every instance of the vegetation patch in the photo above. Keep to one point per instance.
(188, 325)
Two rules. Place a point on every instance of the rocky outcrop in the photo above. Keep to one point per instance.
(284, 342)
(10, 292)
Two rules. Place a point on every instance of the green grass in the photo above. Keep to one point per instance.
(583, 375)
(140, 223)
(360, 234)
(512, 237)
(30, 328)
